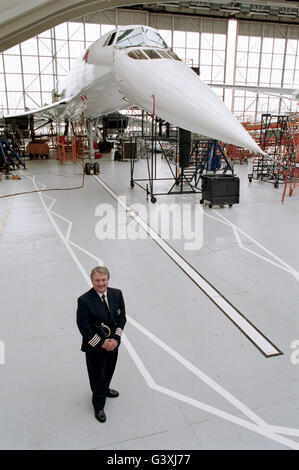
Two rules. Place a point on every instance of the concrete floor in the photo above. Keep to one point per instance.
(188, 377)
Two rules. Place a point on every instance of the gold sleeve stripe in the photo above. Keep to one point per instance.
(95, 340)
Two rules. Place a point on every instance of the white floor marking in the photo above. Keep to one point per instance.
(251, 332)
(65, 240)
(281, 264)
(211, 383)
(51, 198)
(69, 229)
(254, 253)
(259, 425)
(285, 431)
(201, 375)
(99, 261)
(263, 428)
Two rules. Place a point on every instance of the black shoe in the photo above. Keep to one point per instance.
(112, 393)
(100, 416)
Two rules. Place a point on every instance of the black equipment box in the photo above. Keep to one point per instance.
(220, 189)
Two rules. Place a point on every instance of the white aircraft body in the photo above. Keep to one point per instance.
(132, 65)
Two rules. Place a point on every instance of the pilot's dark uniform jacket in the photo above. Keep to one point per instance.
(97, 323)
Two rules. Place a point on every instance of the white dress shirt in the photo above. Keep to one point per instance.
(106, 298)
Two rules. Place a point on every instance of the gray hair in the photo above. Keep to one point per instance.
(100, 270)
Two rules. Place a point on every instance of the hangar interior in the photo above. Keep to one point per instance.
(210, 355)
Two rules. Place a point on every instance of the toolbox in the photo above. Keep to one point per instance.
(220, 189)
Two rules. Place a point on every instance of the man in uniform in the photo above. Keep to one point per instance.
(101, 318)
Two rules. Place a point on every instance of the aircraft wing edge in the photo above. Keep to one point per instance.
(272, 91)
(42, 110)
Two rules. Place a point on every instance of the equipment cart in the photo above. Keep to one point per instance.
(220, 189)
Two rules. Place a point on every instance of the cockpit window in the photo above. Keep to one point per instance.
(109, 39)
(154, 39)
(164, 55)
(140, 36)
(173, 55)
(130, 37)
(137, 55)
(152, 54)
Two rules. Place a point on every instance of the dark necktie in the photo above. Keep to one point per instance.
(105, 303)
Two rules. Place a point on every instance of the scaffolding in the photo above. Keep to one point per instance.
(296, 173)
(276, 137)
(9, 157)
(66, 149)
(79, 134)
(16, 137)
(157, 137)
(236, 154)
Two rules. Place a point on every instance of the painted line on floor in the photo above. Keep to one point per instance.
(208, 381)
(260, 426)
(65, 240)
(4, 220)
(69, 229)
(200, 374)
(257, 338)
(236, 231)
(280, 264)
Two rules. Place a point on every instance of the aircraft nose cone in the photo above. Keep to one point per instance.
(181, 98)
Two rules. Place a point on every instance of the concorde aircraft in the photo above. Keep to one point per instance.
(132, 65)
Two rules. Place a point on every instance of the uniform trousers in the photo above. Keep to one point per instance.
(100, 367)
